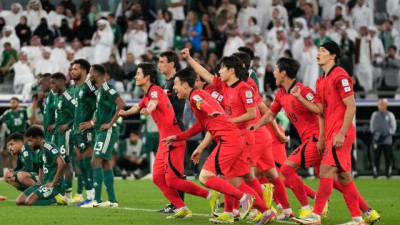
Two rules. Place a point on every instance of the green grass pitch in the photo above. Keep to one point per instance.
(138, 201)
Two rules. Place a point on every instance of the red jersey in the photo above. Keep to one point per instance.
(163, 115)
(237, 98)
(306, 122)
(203, 104)
(331, 89)
(215, 93)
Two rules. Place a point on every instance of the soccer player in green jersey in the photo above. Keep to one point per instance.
(64, 119)
(84, 110)
(109, 103)
(16, 119)
(47, 106)
(50, 172)
(25, 173)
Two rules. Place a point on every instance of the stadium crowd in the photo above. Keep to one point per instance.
(41, 37)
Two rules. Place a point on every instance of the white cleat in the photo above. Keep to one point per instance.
(91, 204)
(108, 204)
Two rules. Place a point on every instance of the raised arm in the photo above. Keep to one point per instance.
(316, 108)
(201, 71)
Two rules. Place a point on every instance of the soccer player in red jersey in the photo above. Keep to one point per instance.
(241, 108)
(228, 158)
(335, 100)
(168, 169)
(306, 123)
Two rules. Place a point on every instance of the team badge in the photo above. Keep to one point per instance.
(197, 98)
(154, 94)
(249, 94)
(310, 97)
(345, 82)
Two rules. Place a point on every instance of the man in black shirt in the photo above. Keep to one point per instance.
(168, 64)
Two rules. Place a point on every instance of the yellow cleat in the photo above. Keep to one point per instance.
(181, 213)
(268, 193)
(213, 201)
(257, 218)
(372, 218)
(325, 211)
(223, 218)
(60, 199)
(303, 213)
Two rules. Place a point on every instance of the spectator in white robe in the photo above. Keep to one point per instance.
(10, 37)
(311, 68)
(58, 53)
(362, 15)
(263, 16)
(35, 13)
(46, 64)
(282, 11)
(102, 41)
(34, 50)
(260, 48)
(270, 36)
(378, 54)
(17, 11)
(352, 34)
(363, 67)
(326, 6)
(234, 40)
(301, 23)
(246, 11)
(79, 52)
(341, 4)
(136, 38)
(278, 48)
(393, 10)
(169, 29)
(23, 73)
(69, 58)
(55, 17)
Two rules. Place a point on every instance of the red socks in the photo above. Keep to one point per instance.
(323, 193)
(363, 204)
(170, 193)
(258, 203)
(310, 192)
(296, 184)
(224, 187)
(255, 184)
(350, 195)
(187, 187)
(281, 192)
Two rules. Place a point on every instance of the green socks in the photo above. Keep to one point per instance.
(109, 183)
(97, 183)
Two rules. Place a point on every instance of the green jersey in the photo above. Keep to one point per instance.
(85, 97)
(105, 104)
(27, 160)
(49, 108)
(48, 159)
(65, 110)
(16, 121)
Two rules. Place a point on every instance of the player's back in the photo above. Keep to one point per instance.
(48, 159)
(163, 115)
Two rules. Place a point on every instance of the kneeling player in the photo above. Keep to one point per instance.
(25, 173)
(52, 164)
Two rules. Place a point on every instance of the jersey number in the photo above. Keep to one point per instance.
(17, 121)
(98, 146)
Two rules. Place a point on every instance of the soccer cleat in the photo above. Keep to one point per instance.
(258, 217)
(2, 198)
(60, 200)
(84, 202)
(91, 204)
(246, 205)
(284, 216)
(372, 218)
(181, 213)
(213, 201)
(352, 222)
(108, 204)
(75, 200)
(169, 208)
(312, 219)
(223, 218)
(269, 218)
(303, 213)
(325, 211)
(252, 214)
(268, 193)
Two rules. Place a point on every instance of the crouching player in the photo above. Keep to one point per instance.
(25, 173)
(49, 181)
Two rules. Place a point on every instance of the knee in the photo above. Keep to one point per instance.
(29, 202)
(20, 200)
(157, 179)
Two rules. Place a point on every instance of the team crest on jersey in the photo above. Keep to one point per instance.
(345, 82)
(249, 94)
(197, 98)
(112, 91)
(214, 94)
(347, 89)
(310, 97)
(154, 94)
(25, 154)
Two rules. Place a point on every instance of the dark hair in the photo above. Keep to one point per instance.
(15, 98)
(233, 62)
(45, 76)
(187, 75)
(393, 47)
(171, 57)
(100, 69)
(254, 20)
(16, 137)
(148, 70)
(247, 50)
(390, 22)
(111, 15)
(270, 97)
(291, 66)
(217, 68)
(287, 51)
(58, 76)
(34, 131)
(84, 64)
(246, 58)
(35, 96)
